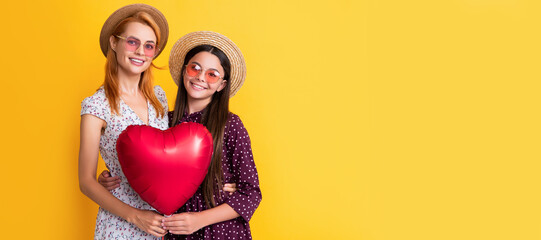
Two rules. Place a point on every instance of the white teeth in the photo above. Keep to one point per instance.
(136, 60)
(196, 86)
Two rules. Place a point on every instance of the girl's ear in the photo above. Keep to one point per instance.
(112, 42)
(221, 86)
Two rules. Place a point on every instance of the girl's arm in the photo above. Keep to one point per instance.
(189, 222)
(91, 127)
(107, 181)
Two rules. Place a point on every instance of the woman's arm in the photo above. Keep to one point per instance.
(189, 222)
(91, 127)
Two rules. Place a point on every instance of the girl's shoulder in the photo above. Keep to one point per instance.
(233, 119)
(234, 124)
(235, 134)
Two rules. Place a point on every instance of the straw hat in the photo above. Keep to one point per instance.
(194, 39)
(127, 11)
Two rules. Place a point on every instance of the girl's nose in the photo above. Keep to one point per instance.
(201, 77)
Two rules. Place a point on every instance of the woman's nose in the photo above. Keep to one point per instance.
(140, 50)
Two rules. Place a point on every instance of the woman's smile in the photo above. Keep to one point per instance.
(137, 61)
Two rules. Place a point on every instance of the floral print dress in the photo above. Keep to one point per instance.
(108, 225)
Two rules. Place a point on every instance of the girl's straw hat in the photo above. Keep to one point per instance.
(127, 11)
(194, 39)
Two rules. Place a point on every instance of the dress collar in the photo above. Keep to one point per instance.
(194, 114)
(193, 117)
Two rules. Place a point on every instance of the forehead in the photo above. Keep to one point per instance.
(140, 31)
(207, 60)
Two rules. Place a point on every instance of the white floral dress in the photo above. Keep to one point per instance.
(108, 225)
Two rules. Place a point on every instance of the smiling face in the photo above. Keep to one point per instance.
(198, 87)
(133, 62)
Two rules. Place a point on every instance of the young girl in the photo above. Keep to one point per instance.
(130, 39)
(209, 69)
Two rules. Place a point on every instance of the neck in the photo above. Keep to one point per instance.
(128, 84)
(196, 105)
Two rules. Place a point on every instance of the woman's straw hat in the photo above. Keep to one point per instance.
(194, 39)
(127, 11)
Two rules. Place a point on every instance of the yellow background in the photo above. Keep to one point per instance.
(369, 119)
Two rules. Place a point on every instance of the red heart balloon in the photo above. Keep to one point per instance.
(165, 167)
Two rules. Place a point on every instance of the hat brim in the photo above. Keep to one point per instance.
(194, 39)
(127, 11)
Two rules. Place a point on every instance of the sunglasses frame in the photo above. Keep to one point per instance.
(156, 50)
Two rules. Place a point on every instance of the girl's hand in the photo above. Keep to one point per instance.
(183, 223)
(107, 181)
(148, 221)
(230, 187)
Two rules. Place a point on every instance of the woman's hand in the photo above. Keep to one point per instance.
(109, 182)
(230, 187)
(183, 223)
(148, 221)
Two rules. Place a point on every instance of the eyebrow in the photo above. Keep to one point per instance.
(140, 39)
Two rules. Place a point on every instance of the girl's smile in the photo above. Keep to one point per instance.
(197, 87)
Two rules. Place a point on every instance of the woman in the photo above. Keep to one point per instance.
(130, 39)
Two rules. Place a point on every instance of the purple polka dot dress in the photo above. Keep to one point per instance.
(238, 167)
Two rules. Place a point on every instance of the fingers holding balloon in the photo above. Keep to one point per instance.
(183, 223)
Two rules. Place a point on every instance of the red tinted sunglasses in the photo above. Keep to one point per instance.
(211, 75)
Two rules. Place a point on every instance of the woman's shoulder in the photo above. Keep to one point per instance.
(96, 104)
(160, 94)
(97, 98)
(158, 90)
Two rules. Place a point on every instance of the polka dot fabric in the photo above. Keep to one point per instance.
(108, 225)
(238, 167)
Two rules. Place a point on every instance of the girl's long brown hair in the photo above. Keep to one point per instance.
(214, 118)
(110, 84)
